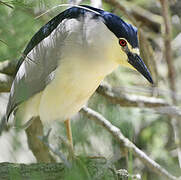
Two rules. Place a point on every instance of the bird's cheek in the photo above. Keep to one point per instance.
(122, 59)
(126, 64)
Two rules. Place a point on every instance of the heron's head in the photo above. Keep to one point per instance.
(125, 43)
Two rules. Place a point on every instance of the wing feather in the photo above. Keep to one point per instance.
(37, 68)
(40, 59)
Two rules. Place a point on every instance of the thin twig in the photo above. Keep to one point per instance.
(57, 152)
(116, 133)
(6, 4)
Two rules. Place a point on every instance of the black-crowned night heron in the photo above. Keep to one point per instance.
(67, 59)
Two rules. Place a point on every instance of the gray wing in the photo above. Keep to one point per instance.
(37, 68)
(40, 59)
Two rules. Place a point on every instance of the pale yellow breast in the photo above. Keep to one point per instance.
(73, 85)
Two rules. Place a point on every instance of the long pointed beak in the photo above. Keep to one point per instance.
(139, 65)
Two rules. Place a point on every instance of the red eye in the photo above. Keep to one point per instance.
(122, 42)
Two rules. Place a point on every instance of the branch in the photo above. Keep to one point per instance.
(147, 18)
(38, 148)
(176, 123)
(116, 133)
(8, 67)
(168, 48)
(127, 100)
(31, 171)
(6, 4)
(96, 169)
(5, 82)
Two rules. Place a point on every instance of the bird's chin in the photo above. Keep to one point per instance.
(126, 64)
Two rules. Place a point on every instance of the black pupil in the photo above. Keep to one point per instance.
(122, 42)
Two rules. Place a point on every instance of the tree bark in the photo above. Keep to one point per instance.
(38, 148)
